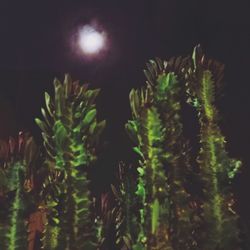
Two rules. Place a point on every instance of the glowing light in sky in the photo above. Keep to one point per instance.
(91, 41)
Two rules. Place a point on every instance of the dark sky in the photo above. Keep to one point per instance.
(35, 47)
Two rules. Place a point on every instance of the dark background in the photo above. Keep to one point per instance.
(35, 47)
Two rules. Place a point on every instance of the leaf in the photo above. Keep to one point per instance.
(67, 85)
(140, 171)
(149, 77)
(59, 98)
(127, 241)
(42, 125)
(91, 95)
(48, 104)
(154, 66)
(159, 63)
(100, 127)
(138, 151)
(92, 128)
(49, 145)
(155, 215)
(132, 130)
(150, 69)
(90, 116)
(134, 102)
(98, 131)
(85, 87)
(60, 135)
(30, 151)
(48, 119)
(117, 196)
(140, 190)
(196, 56)
(79, 93)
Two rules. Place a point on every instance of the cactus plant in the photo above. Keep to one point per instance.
(71, 133)
(217, 169)
(156, 128)
(18, 167)
(173, 198)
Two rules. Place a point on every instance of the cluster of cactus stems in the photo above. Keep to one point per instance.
(156, 128)
(171, 217)
(217, 169)
(71, 133)
(18, 195)
(171, 201)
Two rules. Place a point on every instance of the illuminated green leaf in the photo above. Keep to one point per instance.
(90, 116)
(138, 151)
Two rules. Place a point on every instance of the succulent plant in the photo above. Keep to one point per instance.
(71, 134)
(18, 194)
(156, 129)
(203, 79)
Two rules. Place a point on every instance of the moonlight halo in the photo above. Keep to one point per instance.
(91, 41)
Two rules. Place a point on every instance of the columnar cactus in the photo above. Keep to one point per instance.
(217, 169)
(123, 215)
(156, 129)
(71, 133)
(18, 160)
(175, 198)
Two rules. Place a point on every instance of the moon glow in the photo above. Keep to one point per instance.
(91, 41)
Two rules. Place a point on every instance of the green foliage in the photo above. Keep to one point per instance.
(173, 198)
(71, 133)
(171, 216)
(17, 171)
(216, 167)
(156, 129)
(124, 213)
(17, 233)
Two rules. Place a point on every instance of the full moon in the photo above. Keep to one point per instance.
(91, 41)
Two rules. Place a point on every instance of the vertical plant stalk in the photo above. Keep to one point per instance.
(216, 167)
(16, 172)
(123, 215)
(17, 235)
(157, 130)
(152, 181)
(71, 133)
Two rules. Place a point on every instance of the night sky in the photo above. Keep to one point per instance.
(36, 46)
